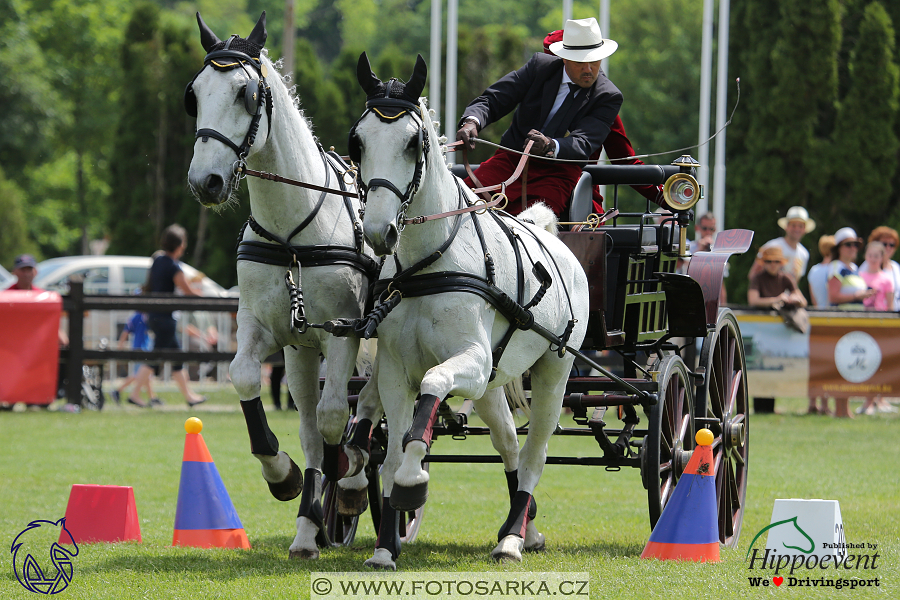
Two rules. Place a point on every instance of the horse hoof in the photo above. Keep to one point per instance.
(382, 561)
(291, 487)
(352, 503)
(537, 545)
(304, 554)
(508, 550)
(409, 498)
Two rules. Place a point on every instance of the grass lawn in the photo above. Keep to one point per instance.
(595, 521)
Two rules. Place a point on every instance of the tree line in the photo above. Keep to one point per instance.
(95, 143)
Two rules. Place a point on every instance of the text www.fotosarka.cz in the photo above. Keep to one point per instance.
(378, 586)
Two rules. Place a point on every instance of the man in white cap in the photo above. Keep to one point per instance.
(796, 223)
(564, 104)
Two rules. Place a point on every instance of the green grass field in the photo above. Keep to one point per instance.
(595, 521)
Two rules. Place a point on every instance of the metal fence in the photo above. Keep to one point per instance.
(76, 303)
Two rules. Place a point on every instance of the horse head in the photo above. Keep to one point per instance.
(232, 102)
(397, 129)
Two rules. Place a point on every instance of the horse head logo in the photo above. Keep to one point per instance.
(793, 521)
(30, 552)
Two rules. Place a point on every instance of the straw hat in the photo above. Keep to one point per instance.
(797, 213)
(583, 42)
(772, 253)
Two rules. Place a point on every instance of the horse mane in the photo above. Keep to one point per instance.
(433, 127)
(290, 89)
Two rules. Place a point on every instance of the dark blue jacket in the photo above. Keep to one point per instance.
(533, 88)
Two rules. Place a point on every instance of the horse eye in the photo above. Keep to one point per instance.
(241, 93)
(413, 143)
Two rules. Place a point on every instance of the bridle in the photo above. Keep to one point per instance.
(389, 110)
(257, 94)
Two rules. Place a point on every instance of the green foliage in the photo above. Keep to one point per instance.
(31, 103)
(14, 240)
(865, 123)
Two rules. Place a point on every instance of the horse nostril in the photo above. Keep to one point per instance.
(390, 235)
(214, 185)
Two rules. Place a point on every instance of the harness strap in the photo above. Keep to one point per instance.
(307, 256)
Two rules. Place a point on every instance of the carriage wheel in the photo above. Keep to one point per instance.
(670, 434)
(723, 397)
(410, 521)
(341, 530)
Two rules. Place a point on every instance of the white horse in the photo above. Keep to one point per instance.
(439, 341)
(234, 100)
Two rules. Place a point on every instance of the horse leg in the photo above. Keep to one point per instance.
(548, 382)
(397, 407)
(302, 369)
(333, 410)
(494, 411)
(254, 341)
(466, 372)
(353, 498)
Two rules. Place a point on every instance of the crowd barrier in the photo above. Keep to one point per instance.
(844, 354)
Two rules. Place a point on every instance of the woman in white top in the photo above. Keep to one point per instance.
(889, 238)
(846, 289)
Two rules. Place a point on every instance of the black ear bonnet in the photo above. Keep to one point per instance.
(233, 53)
(389, 100)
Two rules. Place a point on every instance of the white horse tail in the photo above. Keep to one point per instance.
(541, 215)
(365, 358)
(515, 397)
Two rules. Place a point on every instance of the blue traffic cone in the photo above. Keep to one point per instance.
(688, 528)
(205, 516)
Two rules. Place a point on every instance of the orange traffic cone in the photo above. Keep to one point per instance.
(688, 528)
(205, 516)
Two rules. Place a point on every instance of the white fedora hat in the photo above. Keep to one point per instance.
(583, 42)
(797, 213)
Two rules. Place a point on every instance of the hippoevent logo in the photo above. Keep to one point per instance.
(36, 553)
(806, 568)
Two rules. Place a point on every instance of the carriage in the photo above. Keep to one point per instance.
(646, 320)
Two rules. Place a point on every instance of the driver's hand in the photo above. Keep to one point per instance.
(468, 133)
(543, 146)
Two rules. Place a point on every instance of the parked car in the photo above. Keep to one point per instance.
(115, 275)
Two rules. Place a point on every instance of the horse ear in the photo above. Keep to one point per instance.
(207, 38)
(417, 80)
(258, 35)
(367, 79)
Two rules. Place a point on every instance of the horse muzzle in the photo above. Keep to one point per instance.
(384, 240)
(210, 189)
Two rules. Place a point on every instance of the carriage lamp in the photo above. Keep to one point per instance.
(682, 192)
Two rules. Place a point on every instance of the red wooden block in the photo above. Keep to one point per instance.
(102, 513)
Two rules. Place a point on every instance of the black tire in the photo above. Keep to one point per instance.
(723, 397)
(670, 434)
(341, 530)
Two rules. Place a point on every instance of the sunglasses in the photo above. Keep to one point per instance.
(850, 244)
(772, 262)
(889, 244)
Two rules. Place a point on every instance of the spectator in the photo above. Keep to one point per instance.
(877, 278)
(706, 233)
(143, 373)
(565, 104)
(165, 276)
(25, 270)
(889, 238)
(796, 223)
(818, 274)
(846, 289)
(772, 287)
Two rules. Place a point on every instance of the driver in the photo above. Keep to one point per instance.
(565, 104)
